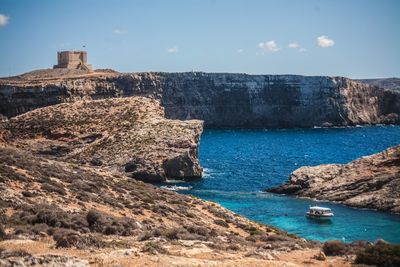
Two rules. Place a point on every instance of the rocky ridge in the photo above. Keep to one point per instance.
(128, 135)
(371, 182)
(219, 99)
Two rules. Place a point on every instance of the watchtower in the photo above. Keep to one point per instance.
(76, 60)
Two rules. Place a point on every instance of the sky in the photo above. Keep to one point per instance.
(351, 38)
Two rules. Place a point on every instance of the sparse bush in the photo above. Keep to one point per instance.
(334, 248)
(154, 248)
(93, 216)
(256, 232)
(274, 238)
(381, 255)
(357, 246)
(221, 223)
(252, 238)
(110, 225)
(54, 188)
(234, 247)
(29, 229)
(200, 230)
(68, 238)
(171, 233)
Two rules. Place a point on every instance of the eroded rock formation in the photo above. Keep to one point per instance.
(129, 135)
(371, 182)
(220, 99)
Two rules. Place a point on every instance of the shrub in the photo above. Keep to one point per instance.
(234, 247)
(200, 230)
(93, 216)
(256, 232)
(274, 238)
(36, 229)
(154, 248)
(221, 223)
(171, 233)
(54, 188)
(334, 248)
(109, 225)
(381, 255)
(68, 238)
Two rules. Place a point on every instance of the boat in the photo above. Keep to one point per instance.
(319, 213)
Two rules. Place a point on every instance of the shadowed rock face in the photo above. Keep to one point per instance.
(369, 182)
(129, 135)
(220, 99)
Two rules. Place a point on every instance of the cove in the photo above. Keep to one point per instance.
(239, 164)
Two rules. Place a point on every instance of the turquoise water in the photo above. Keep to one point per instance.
(239, 164)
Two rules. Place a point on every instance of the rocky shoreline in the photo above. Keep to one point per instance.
(370, 182)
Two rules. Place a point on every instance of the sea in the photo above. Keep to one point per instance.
(240, 164)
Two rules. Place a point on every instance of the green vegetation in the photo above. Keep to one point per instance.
(381, 254)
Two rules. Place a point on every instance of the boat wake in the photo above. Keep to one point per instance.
(176, 187)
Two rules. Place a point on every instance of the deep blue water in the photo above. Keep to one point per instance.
(239, 164)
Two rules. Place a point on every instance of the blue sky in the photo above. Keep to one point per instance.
(352, 38)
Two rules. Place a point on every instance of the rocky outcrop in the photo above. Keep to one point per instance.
(129, 135)
(219, 99)
(371, 182)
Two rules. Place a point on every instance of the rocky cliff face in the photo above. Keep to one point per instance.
(129, 135)
(220, 99)
(369, 182)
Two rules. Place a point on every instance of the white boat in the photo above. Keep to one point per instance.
(319, 213)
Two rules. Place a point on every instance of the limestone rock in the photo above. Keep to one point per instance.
(320, 256)
(129, 135)
(23, 259)
(369, 182)
(219, 99)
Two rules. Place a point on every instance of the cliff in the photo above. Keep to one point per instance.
(128, 135)
(219, 99)
(371, 182)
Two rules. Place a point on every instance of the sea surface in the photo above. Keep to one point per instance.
(239, 164)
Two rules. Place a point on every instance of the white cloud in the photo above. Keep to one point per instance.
(3, 20)
(120, 31)
(240, 50)
(324, 41)
(297, 46)
(173, 49)
(294, 45)
(269, 46)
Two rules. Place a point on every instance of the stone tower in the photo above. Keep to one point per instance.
(76, 60)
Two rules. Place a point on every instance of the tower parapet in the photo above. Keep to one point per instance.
(76, 60)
